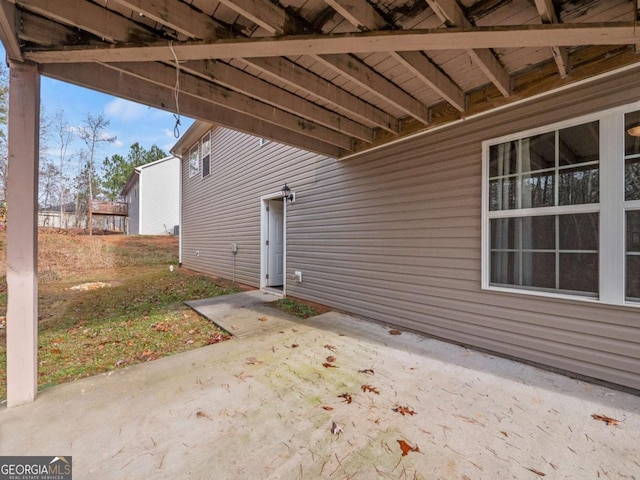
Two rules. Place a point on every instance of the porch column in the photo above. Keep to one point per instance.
(22, 234)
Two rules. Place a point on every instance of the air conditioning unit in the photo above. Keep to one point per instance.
(176, 230)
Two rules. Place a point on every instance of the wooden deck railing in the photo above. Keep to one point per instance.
(109, 208)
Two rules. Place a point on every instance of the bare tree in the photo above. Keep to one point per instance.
(63, 137)
(93, 134)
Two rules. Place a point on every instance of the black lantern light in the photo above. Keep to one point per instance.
(287, 194)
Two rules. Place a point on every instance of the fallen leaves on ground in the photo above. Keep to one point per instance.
(331, 359)
(404, 410)
(201, 414)
(395, 332)
(253, 361)
(406, 448)
(328, 408)
(347, 397)
(263, 319)
(160, 327)
(368, 371)
(330, 347)
(604, 418)
(537, 472)
(328, 365)
(336, 429)
(294, 345)
(217, 338)
(369, 388)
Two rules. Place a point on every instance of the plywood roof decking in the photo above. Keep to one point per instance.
(331, 76)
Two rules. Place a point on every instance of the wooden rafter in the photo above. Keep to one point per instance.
(560, 54)
(199, 25)
(113, 82)
(452, 15)
(209, 92)
(177, 16)
(513, 36)
(365, 77)
(196, 24)
(89, 17)
(240, 81)
(8, 31)
(318, 86)
(346, 65)
(362, 15)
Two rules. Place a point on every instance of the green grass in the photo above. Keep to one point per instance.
(138, 318)
(296, 308)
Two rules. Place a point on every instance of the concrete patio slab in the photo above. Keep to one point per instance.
(243, 314)
(263, 407)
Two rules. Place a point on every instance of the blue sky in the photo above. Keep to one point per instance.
(128, 121)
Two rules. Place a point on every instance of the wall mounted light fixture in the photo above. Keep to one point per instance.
(287, 194)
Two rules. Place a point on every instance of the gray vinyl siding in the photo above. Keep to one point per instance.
(395, 235)
(224, 207)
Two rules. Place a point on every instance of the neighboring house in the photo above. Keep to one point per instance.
(152, 194)
(514, 231)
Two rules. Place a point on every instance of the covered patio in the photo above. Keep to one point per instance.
(336, 77)
(263, 405)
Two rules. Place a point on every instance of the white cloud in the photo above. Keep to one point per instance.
(125, 111)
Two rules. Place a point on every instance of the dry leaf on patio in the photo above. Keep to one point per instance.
(406, 448)
(263, 319)
(328, 408)
(537, 472)
(253, 361)
(331, 359)
(604, 418)
(201, 414)
(404, 410)
(330, 347)
(395, 332)
(368, 371)
(369, 388)
(294, 345)
(328, 365)
(336, 429)
(347, 397)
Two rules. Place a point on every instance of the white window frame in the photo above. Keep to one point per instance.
(194, 160)
(611, 208)
(205, 152)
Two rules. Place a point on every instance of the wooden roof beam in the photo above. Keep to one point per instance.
(112, 82)
(560, 54)
(177, 16)
(8, 28)
(220, 96)
(240, 81)
(311, 83)
(346, 65)
(191, 23)
(367, 78)
(362, 15)
(452, 15)
(90, 17)
(513, 36)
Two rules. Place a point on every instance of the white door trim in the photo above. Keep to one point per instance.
(264, 231)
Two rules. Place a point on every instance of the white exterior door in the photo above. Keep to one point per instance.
(275, 246)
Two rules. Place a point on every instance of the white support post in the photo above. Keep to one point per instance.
(22, 234)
